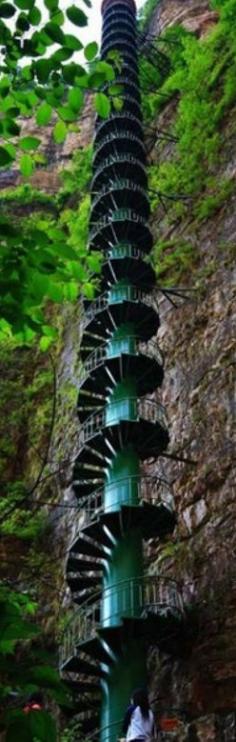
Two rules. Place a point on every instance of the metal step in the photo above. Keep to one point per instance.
(96, 531)
(78, 583)
(84, 546)
(94, 649)
(86, 705)
(89, 725)
(82, 565)
(81, 686)
(80, 666)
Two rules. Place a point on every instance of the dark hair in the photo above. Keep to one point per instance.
(36, 697)
(140, 698)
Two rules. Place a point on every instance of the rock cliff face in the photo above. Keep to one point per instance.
(199, 393)
(199, 389)
(194, 16)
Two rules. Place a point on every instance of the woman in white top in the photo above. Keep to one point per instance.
(139, 725)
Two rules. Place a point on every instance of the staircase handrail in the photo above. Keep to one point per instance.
(102, 302)
(151, 490)
(98, 356)
(154, 592)
(146, 408)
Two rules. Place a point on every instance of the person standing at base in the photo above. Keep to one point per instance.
(139, 724)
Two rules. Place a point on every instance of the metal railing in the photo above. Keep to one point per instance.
(121, 80)
(119, 21)
(99, 356)
(125, 35)
(143, 408)
(116, 116)
(159, 596)
(149, 489)
(125, 216)
(125, 251)
(124, 47)
(114, 160)
(133, 294)
(119, 215)
(116, 135)
(109, 12)
(118, 185)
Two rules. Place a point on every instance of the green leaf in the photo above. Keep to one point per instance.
(35, 16)
(94, 262)
(5, 157)
(115, 89)
(7, 10)
(102, 105)
(117, 104)
(24, 4)
(26, 165)
(66, 252)
(66, 113)
(51, 4)
(39, 285)
(61, 55)
(71, 42)
(75, 99)
(50, 332)
(22, 22)
(43, 68)
(9, 147)
(54, 32)
(57, 16)
(88, 290)
(37, 725)
(29, 143)
(44, 114)
(88, 3)
(107, 69)
(76, 16)
(71, 71)
(42, 726)
(71, 291)
(45, 343)
(91, 51)
(60, 132)
(18, 728)
(96, 79)
(10, 127)
(56, 292)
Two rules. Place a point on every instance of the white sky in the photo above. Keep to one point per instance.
(93, 31)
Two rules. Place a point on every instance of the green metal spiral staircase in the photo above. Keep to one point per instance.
(120, 609)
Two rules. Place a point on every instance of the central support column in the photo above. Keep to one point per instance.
(122, 583)
(126, 674)
(122, 598)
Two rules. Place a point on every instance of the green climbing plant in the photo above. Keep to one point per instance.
(41, 78)
(24, 669)
(201, 88)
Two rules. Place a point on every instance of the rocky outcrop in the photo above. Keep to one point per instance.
(198, 339)
(47, 176)
(194, 16)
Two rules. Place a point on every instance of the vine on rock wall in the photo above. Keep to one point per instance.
(194, 105)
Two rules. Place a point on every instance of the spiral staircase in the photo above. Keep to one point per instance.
(120, 608)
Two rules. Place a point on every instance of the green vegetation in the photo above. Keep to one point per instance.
(203, 82)
(175, 258)
(146, 12)
(25, 672)
(44, 265)
(58, 268)
(196, 95)
(25, 194)
(41, 79)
